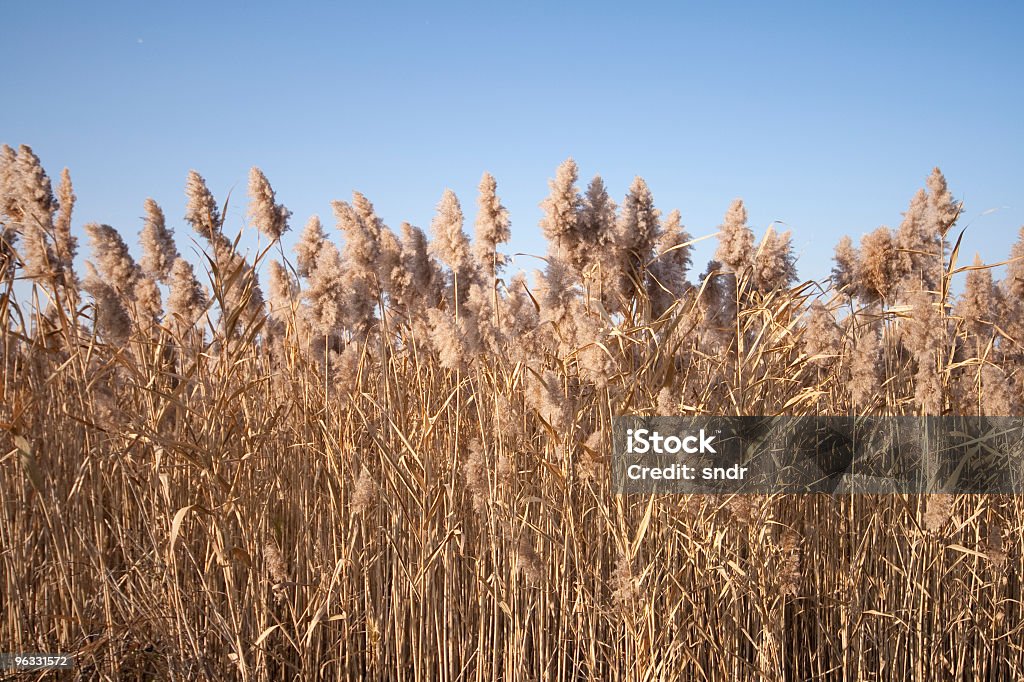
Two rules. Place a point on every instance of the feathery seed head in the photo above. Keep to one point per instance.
(158, 248)
(201, 210)
(270, 218)
(735, 240)
(308, 247)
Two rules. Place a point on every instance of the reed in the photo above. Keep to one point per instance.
(414, 486)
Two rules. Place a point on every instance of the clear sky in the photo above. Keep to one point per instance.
(826, 116)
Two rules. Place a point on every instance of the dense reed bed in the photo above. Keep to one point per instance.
(393, 464)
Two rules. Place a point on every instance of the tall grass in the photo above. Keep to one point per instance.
(282, 491)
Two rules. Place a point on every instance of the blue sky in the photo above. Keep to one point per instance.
(825, 117)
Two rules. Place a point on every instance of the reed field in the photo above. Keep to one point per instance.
(384, 454)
